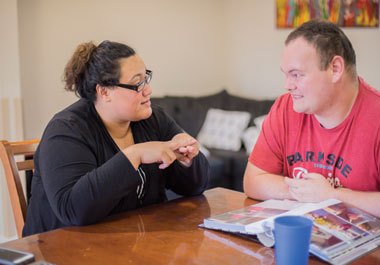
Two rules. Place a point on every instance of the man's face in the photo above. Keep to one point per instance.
(309, 86)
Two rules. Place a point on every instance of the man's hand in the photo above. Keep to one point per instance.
(262, 185)
(312, 187)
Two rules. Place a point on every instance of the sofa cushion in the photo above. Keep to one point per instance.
(190, 112)
(238, 166)
(219, 173)
(255, 107)
(259, 121)
(236, 163)
(223, 129)
(227, 167)
(249, 137)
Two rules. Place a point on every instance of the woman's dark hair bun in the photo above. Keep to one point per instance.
(91, 65)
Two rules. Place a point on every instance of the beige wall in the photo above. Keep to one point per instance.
(10, 103)
(181, 41)
(255, 45)
(194, 47)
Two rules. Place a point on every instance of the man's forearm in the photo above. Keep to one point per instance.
(261, 185)
(266, 186)
(365, 200)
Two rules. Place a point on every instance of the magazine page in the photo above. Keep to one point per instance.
(237, 221)
(258, 218)
(341, 233)
(264, 229)
(294, 208)
(339, 227)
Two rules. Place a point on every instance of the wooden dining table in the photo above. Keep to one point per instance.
(165, 233)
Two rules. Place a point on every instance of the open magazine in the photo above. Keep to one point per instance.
(341, 232)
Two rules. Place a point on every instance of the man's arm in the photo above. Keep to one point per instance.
(365, 200)
(314, 188)
(261, 185)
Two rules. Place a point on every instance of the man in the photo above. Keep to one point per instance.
(322, 139)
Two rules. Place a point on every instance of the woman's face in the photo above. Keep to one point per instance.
(127, 104)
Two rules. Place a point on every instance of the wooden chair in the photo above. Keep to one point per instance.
(8, 153)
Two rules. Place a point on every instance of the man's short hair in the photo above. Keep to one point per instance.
(329, 40)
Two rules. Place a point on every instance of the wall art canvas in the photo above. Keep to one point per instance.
(345, 13)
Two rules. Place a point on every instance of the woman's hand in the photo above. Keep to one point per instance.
(182, 147)
(151, 152)
(185, 147)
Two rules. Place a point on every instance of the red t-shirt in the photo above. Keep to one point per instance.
(348, 155)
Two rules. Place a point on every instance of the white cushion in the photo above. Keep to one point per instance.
(204, 150)
(259, 121)
(223, 129)
(249, 138)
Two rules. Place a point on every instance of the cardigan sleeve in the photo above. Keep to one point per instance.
(189, 181)
(78, 190)
(184, 181)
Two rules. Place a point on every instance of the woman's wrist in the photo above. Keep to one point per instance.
(186, 164)
(133, 155)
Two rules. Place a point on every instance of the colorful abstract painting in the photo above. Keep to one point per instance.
(345, 13)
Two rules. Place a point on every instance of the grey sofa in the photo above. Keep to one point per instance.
(227, 167)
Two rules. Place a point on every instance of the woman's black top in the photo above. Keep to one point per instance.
(81, 176)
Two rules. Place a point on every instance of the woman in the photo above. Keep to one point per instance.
(110, 151)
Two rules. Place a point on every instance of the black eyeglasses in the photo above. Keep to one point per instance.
(139, 86)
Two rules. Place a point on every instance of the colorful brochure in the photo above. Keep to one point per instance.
(341, 232)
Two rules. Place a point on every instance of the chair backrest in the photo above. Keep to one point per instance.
(8, 153)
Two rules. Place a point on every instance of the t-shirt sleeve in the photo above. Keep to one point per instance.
(269, 148)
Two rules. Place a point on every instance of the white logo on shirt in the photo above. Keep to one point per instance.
(298, 171)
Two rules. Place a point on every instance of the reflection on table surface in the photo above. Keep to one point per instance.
(166, 233)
